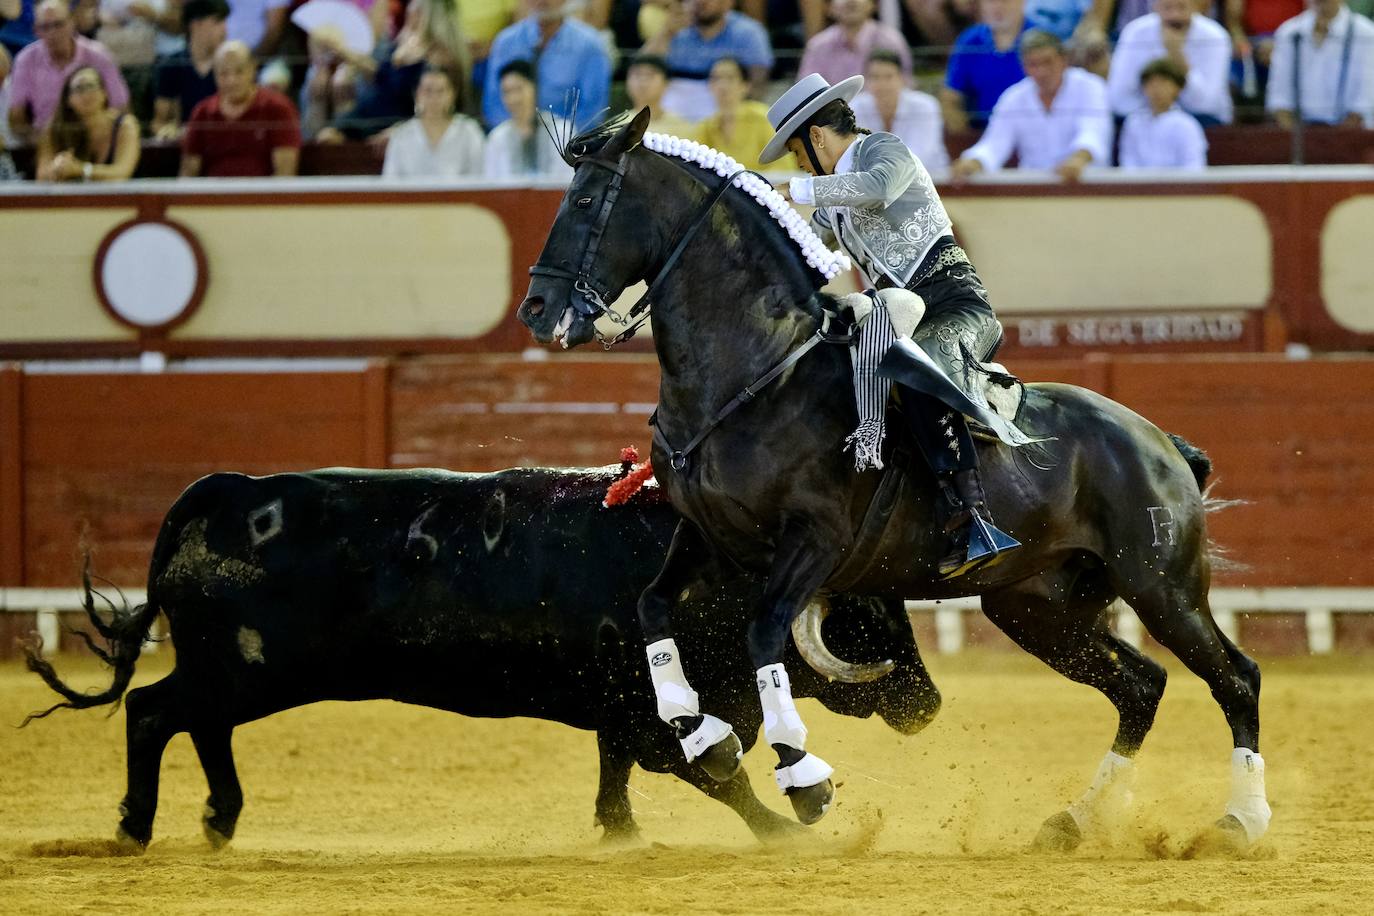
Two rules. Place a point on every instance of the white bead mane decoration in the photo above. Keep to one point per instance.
(829, 263)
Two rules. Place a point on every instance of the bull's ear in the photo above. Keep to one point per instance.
(628, 137)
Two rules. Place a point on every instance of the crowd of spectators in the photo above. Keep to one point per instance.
(488, 87)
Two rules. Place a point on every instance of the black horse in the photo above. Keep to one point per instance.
(1116, 511)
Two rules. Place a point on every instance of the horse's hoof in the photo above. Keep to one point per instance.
(1228, 835)
(811, 802)
(721, 761)
(1059, 833)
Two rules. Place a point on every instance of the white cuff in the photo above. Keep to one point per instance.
(709, 733)
(808, 771)
(803, 190)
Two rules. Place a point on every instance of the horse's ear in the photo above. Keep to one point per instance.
(628, 137)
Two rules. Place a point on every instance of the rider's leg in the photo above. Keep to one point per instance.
(945, 441)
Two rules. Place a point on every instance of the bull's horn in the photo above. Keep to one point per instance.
(806, 633)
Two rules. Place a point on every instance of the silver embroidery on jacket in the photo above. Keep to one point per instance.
(896, 246)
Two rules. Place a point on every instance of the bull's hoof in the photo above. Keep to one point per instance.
(721, 761)
(219, 830)
(1059, 833)
(217, 840)
(619, 833)
(811, 802)
(130, 845)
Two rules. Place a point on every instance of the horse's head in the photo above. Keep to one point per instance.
(590, 257)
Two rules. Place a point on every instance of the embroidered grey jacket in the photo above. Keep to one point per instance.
(884, 210)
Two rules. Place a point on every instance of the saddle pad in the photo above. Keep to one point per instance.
(1004, 399)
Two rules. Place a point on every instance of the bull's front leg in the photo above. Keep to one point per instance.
(708, 741)
(801, 565)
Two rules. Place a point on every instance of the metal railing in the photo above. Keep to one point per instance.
(46, 604)
(1318, 605)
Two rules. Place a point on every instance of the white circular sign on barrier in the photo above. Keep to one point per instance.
(150, 274)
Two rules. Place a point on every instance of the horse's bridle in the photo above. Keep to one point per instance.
(588, 298)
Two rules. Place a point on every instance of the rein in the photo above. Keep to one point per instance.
(677, 458)
(587, 300)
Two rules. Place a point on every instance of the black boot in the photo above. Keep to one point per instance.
(974, 542)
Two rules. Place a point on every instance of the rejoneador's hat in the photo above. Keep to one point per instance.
(810, 94)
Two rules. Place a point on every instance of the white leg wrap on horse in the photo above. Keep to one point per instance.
(808, 771)
(710, 732)
(675, 698)
(781, 722)
(1248, 803)
(1110, 789)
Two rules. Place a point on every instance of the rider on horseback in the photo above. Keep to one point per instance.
(874, 196)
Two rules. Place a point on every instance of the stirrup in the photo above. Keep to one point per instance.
(987, 545)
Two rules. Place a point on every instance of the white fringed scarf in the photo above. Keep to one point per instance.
(878, 320)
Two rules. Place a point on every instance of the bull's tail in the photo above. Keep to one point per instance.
(124, 634)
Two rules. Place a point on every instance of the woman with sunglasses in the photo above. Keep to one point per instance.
(88, 140)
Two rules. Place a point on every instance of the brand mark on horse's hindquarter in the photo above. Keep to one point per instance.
(1162, 521)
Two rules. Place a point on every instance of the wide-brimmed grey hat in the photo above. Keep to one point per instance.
(810, 94)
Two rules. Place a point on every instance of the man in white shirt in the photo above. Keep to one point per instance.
(1327, 55)
(1055, 119)
(887, 105)
(1162, 135)
(1201, 46)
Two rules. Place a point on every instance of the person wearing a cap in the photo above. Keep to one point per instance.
(875, 197)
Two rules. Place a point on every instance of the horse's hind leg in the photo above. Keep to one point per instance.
(1179, 617)
(214, 747)
(154, 715)
(1059, 618)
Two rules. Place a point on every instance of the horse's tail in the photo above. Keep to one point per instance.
(1201, 467)
(1197, 459)
(124, 634)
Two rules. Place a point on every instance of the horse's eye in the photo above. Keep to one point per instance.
(583, 203)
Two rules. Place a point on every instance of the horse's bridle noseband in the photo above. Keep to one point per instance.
(588, 298)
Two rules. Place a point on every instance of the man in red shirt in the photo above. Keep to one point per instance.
(243, 130)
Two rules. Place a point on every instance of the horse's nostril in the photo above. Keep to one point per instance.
(534, 307)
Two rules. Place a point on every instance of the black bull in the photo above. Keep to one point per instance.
(504, 594)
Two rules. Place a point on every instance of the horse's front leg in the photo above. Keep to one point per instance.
(802, 563)
(708, 741)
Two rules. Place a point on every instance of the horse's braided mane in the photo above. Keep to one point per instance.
(823, 263)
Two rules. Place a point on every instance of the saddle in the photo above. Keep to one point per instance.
(986, 382)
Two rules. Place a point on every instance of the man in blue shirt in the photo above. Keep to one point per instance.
(16, 25)
(983, 64)
(569, 60)
(698, 33)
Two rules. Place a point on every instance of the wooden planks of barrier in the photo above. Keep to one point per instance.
(97, 459)
(104, 455)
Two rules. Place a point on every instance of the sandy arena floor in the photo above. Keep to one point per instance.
(385, 808)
